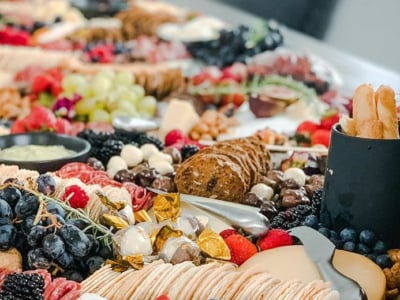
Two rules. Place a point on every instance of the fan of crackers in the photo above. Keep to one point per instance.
(208, 281)
(374, 114)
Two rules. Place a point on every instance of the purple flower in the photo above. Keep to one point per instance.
(64, 107)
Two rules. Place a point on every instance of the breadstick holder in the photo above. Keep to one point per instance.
(362, 185)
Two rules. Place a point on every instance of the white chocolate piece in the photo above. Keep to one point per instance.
(148, 150)
(131, 155)
(115, 164)
(263, 191)
(296, 174)
(135, 241)
(162, 167)
(159, 156)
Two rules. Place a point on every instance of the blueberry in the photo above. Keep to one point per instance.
(349, 246)
(338, 243)
(311, 221)
(371, 257)
(334, 235)
(384, 261)
(363, 249)
(367, 237)
(325, 231)
(348, 234)
(379, 247)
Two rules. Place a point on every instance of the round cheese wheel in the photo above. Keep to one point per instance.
(292, 262)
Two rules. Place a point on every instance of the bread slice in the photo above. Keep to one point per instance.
(387, 112)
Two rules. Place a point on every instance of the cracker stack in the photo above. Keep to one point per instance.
(210, 281)
(225, 171)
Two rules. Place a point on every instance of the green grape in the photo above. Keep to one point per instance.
(138, 90)
(46, 99)
(125, 94)
(101, 86)
(124, 78)
(72, 83)
(148, 105)
(99, 115)
(85, 106)
(107, 73)
(85, 91)
(120, 112)
(112, 101)
(127, 106)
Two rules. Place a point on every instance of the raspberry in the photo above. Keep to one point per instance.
(227, 232)
(162, 297)
(173, 137)
(76, 196)
(275, 238)
(241, 248)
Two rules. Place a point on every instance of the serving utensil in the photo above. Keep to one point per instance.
(321, 250)
(237, 215)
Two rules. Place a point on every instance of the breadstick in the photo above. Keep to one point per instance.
(372, 129)
(348, 125)
(364, 110)
(386, 110)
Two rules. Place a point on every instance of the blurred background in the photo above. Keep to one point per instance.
(365, 28)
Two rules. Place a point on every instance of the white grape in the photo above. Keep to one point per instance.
(99, 115)
(85, 106)
(148, 105)
(101, 86)
(73, 82)
(138, 90)
(123, 78)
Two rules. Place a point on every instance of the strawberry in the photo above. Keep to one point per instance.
(241, 248)
(63, 126)
(275, 238)
(227, 232)
(210, 74)
(321, 137)
(307, 127)
(330, 118)
(237, 72)
(41, 83)
(18, 127)
(76, 196)
(173, 137)
(40, 118)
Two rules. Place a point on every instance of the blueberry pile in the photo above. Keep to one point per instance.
(236, 45)
(364, 242)
(43, 234)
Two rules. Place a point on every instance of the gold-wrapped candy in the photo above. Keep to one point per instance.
(114, 221)
(167, 206)
(112, 205)
(121, 264)
(212, 244)
(142, 216)
(163, 235)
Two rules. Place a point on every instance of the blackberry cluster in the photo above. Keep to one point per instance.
(236, 45)
(292, 217)
(188, 150)
(316, 199)
(110, 148)
(143, 138)
(22, 286)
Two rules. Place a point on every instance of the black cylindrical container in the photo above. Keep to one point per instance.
(362, 185)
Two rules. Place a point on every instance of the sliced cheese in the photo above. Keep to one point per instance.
(292, 262)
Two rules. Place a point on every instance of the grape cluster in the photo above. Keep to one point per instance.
(106, 145)
(44, 236)
(236, 45)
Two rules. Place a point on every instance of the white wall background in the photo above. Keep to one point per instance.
(369, 29)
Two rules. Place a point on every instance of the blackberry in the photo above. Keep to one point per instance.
(148, 139)
(23, 286)
(316, 199)
(125, 137)
(110, 148)
(188, 150)
(292, 217)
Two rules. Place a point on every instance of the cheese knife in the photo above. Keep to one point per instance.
(321, 251)
(237, 215)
